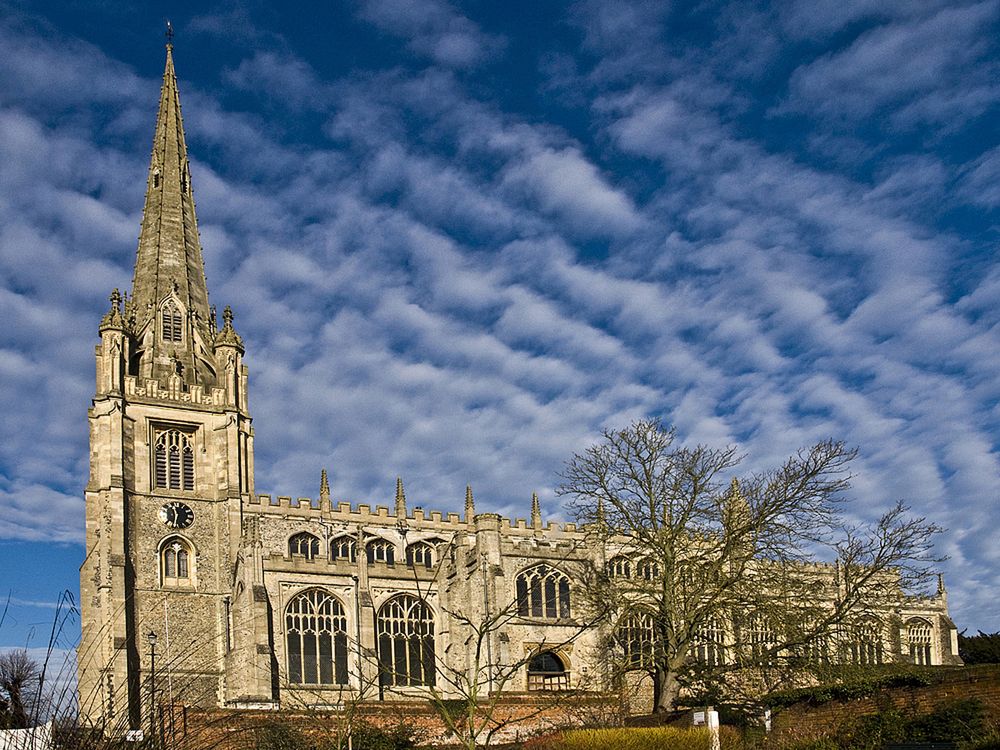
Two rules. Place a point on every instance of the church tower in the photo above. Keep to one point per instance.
(171, 464)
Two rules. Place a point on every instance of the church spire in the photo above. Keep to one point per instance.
(169, 260)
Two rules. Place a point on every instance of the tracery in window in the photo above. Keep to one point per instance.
(635, 636)
(304, 544)
(866, 643)
(759, 639)
(546, 671)
(709, 646)
(648, 570)
(543, 591)
(619, 567)
(420, 554)
(405, 627)
(173, 461)
(380, 550)
(919, 636)
(175, 562)
(170, 315)
(344, 548)
(316, 638)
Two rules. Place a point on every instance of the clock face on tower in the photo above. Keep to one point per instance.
(177, 515)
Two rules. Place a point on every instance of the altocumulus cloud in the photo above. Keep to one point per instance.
(457, 259)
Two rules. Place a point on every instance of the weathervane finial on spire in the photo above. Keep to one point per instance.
(170, 34)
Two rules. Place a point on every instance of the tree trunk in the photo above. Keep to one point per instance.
(666, 689)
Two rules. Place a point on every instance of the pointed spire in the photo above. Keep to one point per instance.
(470, 504)
(324, 491)
(400, 499)
(536, 511)
(940, 585)
(169, 258)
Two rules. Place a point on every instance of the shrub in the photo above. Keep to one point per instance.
(651, 738)
(367, 737)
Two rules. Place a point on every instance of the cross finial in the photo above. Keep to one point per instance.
(227, 316)
(116, 300)
(170, 34)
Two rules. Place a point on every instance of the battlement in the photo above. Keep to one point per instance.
(174, 390)
(346, 512)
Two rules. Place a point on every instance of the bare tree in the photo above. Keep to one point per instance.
(19, 676)
(687, 555)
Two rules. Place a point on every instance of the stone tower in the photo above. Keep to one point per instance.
(171, 462)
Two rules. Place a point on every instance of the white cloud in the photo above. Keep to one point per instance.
(433, 29)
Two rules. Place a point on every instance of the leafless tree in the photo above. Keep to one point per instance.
(18, 682)
(687, 554)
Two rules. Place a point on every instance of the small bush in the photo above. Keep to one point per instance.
(651, 738)
(368, 737)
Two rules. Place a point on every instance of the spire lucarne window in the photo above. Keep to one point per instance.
(171, 322)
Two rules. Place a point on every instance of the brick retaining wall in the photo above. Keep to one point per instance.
(187, 728)
(804, 722)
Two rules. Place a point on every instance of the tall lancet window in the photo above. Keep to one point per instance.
(172, 328)
(173, 461)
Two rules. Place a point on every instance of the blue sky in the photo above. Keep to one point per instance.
(460, 239)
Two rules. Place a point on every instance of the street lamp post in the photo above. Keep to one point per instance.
(151, 639)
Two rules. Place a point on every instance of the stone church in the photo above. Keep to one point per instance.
(199, 590)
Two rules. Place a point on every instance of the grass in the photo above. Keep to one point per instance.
(651, 738)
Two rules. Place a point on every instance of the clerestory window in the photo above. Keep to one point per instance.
(379, 550)
(344, 548)
(543, 591)
(619, 567)
(420, 555)
(304, 544)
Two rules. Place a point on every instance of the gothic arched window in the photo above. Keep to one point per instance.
(635, 635)
(405, 627)
(316, 638)
(759, 638)
(866, 643)
(919, 636)
(619, 567)
(648, 570)
(543, 591)
(172, 328)
(380, 550)
(173, 461)
(420, 554)
(175, 562)
(546, 671)
(344, 548)
(709, 646)
(304, 544)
